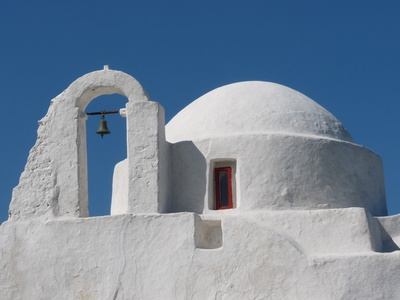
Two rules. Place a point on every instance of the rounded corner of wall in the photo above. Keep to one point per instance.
(120, 182)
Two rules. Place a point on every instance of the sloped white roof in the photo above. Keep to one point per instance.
(253, 107)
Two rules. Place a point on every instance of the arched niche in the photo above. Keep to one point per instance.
(54, 182)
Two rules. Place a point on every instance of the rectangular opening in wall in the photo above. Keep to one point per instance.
(208, 234)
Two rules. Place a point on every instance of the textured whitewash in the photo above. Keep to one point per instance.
(309, 204)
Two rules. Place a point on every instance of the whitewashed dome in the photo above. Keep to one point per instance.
(254, 107)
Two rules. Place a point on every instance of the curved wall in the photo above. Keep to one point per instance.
(277, 171)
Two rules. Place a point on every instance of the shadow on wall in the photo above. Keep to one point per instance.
(389, 232)
(189, 180)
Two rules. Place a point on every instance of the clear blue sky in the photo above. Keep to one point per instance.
(342, 54)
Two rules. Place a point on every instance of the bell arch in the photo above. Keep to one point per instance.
(54, 181)
(103, 154)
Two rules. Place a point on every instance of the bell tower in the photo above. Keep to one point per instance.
(54, 182)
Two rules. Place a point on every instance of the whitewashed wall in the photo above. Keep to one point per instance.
(293, 235)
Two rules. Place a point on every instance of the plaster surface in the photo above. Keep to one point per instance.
(54, 182)
(264, 255)
(253, 107)
(290, 152)
(282, 172)
(309, 204)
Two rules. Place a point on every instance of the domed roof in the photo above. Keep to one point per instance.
(253, 107)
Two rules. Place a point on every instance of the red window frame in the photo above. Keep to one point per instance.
(217, 172)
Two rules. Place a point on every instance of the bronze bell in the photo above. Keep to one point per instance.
(103, 127)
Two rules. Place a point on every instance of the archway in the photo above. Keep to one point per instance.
(54, 182)
(104, 153)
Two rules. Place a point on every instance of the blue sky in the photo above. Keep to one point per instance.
(342, 54)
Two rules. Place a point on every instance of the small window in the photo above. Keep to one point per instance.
(223, 188)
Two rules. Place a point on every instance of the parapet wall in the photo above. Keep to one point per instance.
(325, 254)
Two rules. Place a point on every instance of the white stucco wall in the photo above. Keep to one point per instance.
(54, 182)
(320, 254)
(290, 153)
(307, 163)
(276, 171)
(120, 186)
(304, 226)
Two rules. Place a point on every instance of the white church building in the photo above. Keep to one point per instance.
(253, 191)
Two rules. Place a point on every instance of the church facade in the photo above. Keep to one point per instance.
(253, 191)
